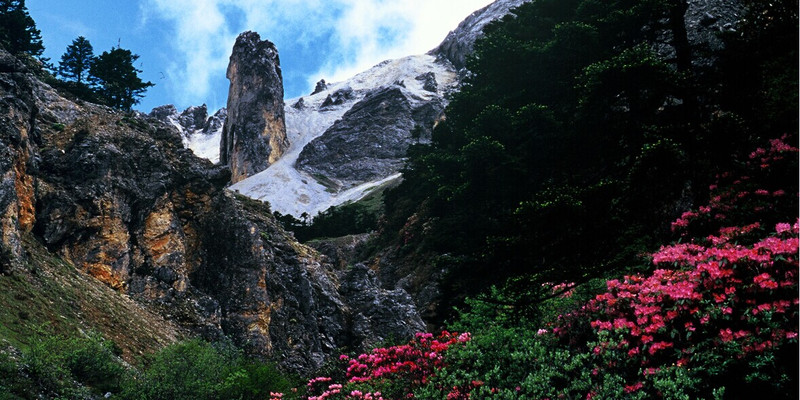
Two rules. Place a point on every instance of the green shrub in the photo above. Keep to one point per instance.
(199, 370)
(56, 362)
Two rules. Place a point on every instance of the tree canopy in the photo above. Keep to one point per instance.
(119, 84)
(18, 33)
(77, 60)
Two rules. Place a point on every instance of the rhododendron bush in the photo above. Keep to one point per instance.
(716, 317)
(722, 306)
(388, 372)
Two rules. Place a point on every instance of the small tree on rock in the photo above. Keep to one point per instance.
(77, 60)
(118, 80)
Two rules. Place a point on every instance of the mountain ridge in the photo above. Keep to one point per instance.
(118, 197)
(426, 80)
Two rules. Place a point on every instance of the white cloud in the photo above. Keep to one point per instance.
(201, 37)
(421, 25)
(365, 32)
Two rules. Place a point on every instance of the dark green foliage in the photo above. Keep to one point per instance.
(61, 367)
(18, 33)
(85, 367)
(347, 219)
(336, 221)
(92, 361)
(118, 81)
(574, 144)
(76, 61)
(196, 370)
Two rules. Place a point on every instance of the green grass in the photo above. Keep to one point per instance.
(49, 295)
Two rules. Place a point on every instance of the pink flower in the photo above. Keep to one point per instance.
(765, 281)
(726, 335)
(632, 388)
(655, 347)
(650, 371)
(782, 228)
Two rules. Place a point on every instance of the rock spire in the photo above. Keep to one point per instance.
(254, 135)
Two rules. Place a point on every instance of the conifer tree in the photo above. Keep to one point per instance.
(18, 33)
(117, 78)
(77, 60)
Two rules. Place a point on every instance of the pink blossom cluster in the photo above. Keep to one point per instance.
(737, 286)
(746, 195)
(409, 365)
(725, 285)
(416, 360)
(330, 390)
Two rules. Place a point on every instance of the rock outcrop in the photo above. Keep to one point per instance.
(200, 132)
(370, 141)
(191, 120)
(254, 134)
(120, 197)
(320, 87)
(460, 42)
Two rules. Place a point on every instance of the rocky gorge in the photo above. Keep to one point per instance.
(118, 196)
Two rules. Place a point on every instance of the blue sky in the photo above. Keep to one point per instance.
(184, 45)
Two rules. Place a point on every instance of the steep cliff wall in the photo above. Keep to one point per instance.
(254, 134)
(119, 196)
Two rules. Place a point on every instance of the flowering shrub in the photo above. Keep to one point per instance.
(713, 302)
(387, 372)
(717, 316)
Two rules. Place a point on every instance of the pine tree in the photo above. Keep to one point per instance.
(117, 78)
(18, 33)
(77, 60)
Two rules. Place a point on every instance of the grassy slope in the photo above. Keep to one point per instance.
(50, 296)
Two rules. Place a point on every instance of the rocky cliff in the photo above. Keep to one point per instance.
(119, 197)
(349, 137)
(254, 134)
(460, 42)
(201, 133)
(370, 141)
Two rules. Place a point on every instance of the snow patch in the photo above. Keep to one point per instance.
(290, 191)
(204, 145)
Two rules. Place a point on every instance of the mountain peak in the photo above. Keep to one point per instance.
(460, 42)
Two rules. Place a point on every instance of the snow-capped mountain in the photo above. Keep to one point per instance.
(347, 138)
(200, 132)
(293, 190)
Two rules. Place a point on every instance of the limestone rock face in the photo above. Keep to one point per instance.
(320, 87)
(120, 197)
(192, 120)
(254, 134)
(215, 122)
(370, 141)
(17, 212)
